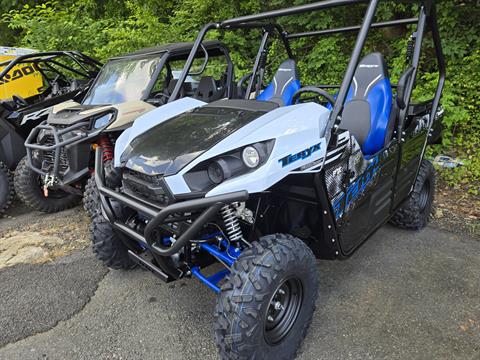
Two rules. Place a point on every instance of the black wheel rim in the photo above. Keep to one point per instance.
(424, 195)
(283, 310)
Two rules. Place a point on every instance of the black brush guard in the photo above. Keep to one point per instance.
(74, 133)
(160, 216)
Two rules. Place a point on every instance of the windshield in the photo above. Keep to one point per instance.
(122, 80)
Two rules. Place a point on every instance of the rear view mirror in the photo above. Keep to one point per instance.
(402, 84)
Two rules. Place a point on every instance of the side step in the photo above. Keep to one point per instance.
(144, 262)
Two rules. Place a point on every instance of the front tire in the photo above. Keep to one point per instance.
(91, 197)
(415, 213)
(267, 302)
(28, 187)
(107, 245)
(7, 192)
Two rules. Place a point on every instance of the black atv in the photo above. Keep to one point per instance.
(62, 75)
(264, 185)
(59, 161)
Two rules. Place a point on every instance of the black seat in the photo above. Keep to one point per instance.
(284, 84)
(171, 85)
(366, 113)
(207, 90)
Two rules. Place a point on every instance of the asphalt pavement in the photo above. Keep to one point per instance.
(403, 295)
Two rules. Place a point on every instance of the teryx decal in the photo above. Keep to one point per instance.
(289, 159)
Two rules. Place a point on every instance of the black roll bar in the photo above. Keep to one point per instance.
(291, 11)
(353, 28)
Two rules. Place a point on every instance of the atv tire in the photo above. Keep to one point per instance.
(7, 192)
(249, 322)
(415, 212)
(29, 189)
(91, 197)
(107, 245)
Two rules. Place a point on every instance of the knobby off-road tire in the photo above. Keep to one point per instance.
(415, 212)
(243, 330)
(91, 197)
(7, 192)
(28, 187)
(107, 245)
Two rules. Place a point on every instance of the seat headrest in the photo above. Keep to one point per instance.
(284, 84)
(370, 70)
(206, 88)
(287, 70)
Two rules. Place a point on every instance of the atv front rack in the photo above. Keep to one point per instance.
(160, 216)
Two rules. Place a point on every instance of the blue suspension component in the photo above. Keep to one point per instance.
(226, 256)
(210, 281)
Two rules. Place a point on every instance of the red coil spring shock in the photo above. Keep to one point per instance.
(105, 143)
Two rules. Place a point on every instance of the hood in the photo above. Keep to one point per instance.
(166, 148)
(71, 112)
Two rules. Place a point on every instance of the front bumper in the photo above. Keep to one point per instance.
(69, 162)
(160, 217)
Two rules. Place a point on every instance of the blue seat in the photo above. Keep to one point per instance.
(367, 109)
(284, 84)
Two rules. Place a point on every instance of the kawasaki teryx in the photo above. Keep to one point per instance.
(60, 150)
(34, 83)
(264, 186)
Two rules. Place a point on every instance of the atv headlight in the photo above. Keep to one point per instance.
(103, 121)
(251, 157)
(212, 172)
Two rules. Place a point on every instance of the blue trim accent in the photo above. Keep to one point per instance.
(380, 99)
(286, 95)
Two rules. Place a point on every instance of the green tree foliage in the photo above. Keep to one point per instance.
(111, 27)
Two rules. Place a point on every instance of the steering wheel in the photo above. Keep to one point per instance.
(161, 95)
(20, 101)
(241, 82)
(315, 90)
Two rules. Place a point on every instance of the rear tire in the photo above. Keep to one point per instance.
(7, 192)
(29, 189)
(415, 213)
(107, 245)
(267, 302)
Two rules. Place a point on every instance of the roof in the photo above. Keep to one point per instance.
(180, 47)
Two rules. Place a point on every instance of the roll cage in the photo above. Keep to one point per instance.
(87, 66)
(427, 18)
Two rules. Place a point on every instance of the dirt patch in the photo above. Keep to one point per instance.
(34, 237)
(457, 211)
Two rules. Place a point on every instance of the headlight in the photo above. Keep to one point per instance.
(250, 157)
(212, 172)
(102, 121)
(216, 172)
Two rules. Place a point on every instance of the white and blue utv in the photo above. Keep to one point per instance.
(264, 182)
